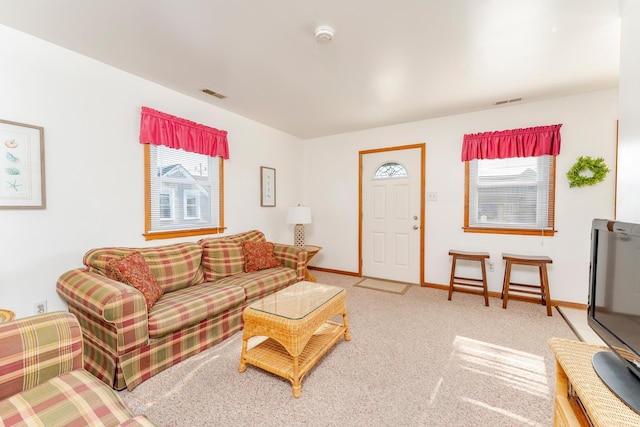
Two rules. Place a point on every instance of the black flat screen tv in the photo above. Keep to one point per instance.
(614, 306)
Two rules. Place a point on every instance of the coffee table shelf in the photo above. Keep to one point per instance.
(271, 356)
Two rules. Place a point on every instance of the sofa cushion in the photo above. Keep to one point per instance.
(178, 310)
(259, 256)
(72, 398)
(133, 270)
(221, 258)
(259, 284)
(175, 266)
(252, 236)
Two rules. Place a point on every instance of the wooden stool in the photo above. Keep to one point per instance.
(543, 288)
(466, 281)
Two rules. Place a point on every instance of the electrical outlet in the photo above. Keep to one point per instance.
(40, 307)
(432, 197)
(491, 266)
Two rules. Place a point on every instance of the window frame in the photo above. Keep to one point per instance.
(549, 231)
(172, 208)
(185, 204)
(157, 235)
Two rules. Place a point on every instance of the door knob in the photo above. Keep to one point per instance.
(415, 217)
(415, 227)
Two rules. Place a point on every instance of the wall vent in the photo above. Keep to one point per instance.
(212, 93)
(507, 101)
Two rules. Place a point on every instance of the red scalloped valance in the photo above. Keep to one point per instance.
(526, 142)
(159, 128)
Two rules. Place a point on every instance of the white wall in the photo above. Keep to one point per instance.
(628, 199)
(94, 171)
(589, 128)
(94, 164)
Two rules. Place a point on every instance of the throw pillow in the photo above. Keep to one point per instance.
(133, 270)
(259, 256)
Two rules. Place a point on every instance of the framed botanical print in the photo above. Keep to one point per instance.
(267, 186)
(21, 166)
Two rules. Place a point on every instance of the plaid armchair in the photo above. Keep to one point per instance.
(42, 381)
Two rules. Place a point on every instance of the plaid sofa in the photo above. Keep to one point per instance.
(43, 383)
(205, 291)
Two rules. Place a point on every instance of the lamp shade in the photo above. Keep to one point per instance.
(299, 215)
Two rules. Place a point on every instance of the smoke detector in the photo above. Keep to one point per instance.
(324, 34)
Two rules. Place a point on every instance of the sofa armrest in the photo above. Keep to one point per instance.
(37, 348)
(293, 257)
(113, 314)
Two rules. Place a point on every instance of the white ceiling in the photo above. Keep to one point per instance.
(389, 62)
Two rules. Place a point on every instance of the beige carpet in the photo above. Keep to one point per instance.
(413, 360)
(384, 285)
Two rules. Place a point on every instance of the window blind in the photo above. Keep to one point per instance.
(511, 193)
(184, 190)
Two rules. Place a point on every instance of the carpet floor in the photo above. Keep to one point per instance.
(413, 360)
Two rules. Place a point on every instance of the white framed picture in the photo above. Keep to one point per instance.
(267, 186)
(21, 166)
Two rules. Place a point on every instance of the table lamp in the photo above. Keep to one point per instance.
(299, 215)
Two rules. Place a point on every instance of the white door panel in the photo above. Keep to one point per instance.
(378, 248)
(402, 250)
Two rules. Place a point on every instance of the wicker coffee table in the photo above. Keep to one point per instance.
(296, 323)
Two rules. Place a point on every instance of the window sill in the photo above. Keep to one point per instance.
(158, 235)
(517, 231)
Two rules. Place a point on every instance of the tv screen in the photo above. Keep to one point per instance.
(614, 305)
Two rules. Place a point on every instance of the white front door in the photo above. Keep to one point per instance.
(392, 214)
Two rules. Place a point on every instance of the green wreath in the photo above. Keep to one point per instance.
(596, 166)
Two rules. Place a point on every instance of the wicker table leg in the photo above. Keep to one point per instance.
(296, 381)
(347, 334)
(243, 366)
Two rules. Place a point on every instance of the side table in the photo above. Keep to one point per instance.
(312, 250)
(6, 315)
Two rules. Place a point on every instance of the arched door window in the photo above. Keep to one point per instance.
(390, 170)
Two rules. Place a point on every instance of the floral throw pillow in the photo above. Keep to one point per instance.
(259, 256)
(133, 270)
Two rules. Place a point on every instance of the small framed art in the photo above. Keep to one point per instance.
(21, 166)
(267, 186)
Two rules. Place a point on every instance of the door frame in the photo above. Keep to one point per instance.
(422, 148)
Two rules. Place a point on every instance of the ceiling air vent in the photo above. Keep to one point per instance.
(212, 93)
(507, 101)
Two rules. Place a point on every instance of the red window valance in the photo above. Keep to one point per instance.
(164, 129)
(527, 142)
